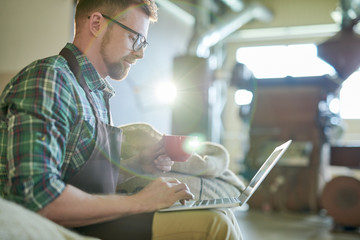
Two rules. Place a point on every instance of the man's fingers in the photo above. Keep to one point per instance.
(183, 192)
(170, 180)
(163, 163)
(164, 160)
(178, 186)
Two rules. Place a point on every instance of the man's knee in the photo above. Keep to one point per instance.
(222, 226)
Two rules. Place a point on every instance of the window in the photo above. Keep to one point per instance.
(299, 60)
(349, 97)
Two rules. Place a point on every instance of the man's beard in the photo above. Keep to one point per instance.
(116, 70)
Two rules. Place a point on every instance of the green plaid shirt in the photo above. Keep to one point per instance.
(47, 128)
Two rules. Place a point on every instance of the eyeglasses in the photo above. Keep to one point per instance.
(140, 41)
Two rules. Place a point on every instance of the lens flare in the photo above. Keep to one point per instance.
(166, 92)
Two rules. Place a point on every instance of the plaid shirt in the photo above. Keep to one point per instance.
(47, 128)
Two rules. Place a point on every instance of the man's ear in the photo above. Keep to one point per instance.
(96, 23)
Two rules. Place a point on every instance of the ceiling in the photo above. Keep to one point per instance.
(286, 12)
(291, 20)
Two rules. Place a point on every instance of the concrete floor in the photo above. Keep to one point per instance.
(258, 225)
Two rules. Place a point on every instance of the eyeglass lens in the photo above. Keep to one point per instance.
(140, 43)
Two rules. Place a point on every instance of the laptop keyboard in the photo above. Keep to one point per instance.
(215, 201)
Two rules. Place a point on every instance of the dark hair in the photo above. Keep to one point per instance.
(84, 8)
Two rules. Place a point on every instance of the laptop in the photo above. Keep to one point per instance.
(244, 196)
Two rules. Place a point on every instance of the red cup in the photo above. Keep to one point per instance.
(178, 147)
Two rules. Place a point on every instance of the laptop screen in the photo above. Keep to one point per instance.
(263, 171)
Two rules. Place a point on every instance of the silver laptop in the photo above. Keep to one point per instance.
(245, 195)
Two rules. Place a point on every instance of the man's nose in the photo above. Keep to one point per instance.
(140, 54)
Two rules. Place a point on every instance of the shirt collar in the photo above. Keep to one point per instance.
(91, 76)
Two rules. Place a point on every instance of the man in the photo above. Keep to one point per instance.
(59, 154)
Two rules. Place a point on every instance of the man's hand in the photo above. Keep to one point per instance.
(153, 159)
(162, 193)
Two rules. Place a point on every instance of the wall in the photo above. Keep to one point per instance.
(40, 28)
(30, 30)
